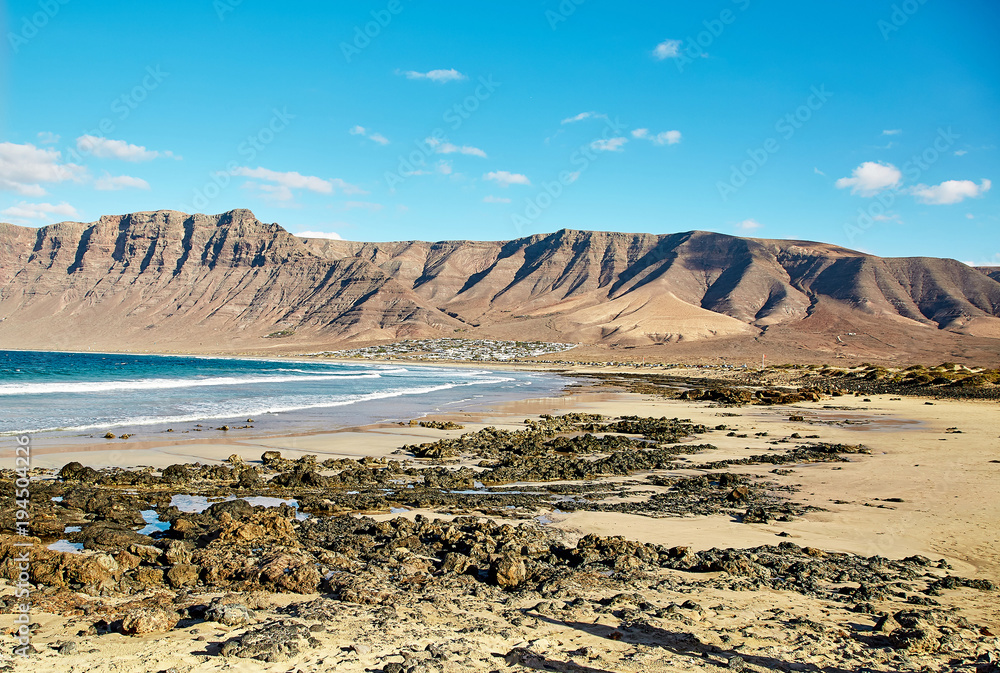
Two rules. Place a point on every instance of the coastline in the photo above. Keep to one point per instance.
(911, 502)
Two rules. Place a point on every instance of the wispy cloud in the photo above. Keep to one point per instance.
(495, 199)
(48, 138)
(439, 76)
(506, 179)
(25, 168)
(280, 187)
(444, 147)
(111, 183)
(870, 178)
(667, 49)
(748, 225)
(950, 191)
(584, 115)
(106, 148)
(892, 132)
(609, 144)
(39, 211)
(371, 135)
(333, 236)
(664, 138)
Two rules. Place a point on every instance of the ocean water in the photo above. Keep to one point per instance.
(83, 395)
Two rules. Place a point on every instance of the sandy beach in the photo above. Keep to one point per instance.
(925, 489)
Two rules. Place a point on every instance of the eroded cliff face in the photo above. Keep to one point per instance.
(168, 280)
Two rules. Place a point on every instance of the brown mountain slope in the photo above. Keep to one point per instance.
(169, 281)
(757, 282)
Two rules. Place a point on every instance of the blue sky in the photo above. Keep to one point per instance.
(866, 124)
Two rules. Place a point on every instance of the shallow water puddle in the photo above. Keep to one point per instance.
(67, 546)
(153, 523)
(196, 504)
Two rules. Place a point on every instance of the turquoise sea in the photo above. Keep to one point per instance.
(83, 395)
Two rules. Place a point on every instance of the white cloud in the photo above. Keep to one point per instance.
(39, 211)
(748, 225)
(333, 236)
(363, 205)
(664, 138)
(583, 115)
(961, 153)
(610, 144)
(970, 216)
(495, 199)
(667, 138)
(892, 132)
(439, 76)
(23, 169)
(111, 183)
(106, 148)
(572, 177)
(870, 178)
(293, 180)
(48, 138)
(444, 147)
(667, 49)
(950, 191)
(819, 172)
(506, 179)
(444, 167)
(371, 135)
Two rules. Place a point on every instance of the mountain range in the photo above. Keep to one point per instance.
(167, 281)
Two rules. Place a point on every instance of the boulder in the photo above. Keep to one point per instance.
(148, 620)
(508, 571)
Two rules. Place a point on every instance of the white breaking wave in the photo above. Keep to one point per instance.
(260, 409)
(162, 384)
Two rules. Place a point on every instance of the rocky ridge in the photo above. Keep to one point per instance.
(168, 280)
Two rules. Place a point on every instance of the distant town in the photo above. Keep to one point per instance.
(455, 349)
